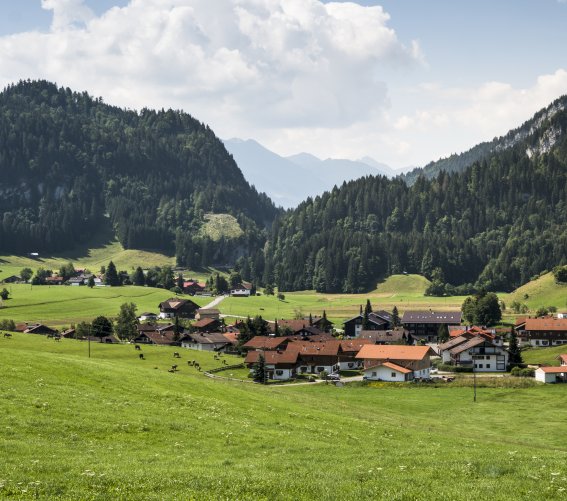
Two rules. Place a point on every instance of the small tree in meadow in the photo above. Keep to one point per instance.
(101, 327)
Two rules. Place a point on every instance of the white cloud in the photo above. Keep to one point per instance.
(236, 64)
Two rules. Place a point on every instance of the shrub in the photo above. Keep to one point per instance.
(453, 368)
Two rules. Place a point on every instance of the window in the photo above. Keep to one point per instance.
(480, 366)
(488, 366)
(320, 369)
(393, 374)
(351, 364)
(373, 374)
(279, 372)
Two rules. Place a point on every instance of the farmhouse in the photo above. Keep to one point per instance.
(243, 289)
(12, 279)
(175, 307)
(349, 350)
(551, 374)
(207, 325)
(315, 357)
(464, 351)
(279, 364)
(211, 341)
(424, 325)
(269, 343)
(377, 321)
(395, 363)
(193, 287)
(40, 329)
(562, 359)
(160, 335)
(546, 331)
(148, 316)
(207, 313)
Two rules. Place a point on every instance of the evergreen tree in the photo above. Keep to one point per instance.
(515, 353)
(443, 333)
(365, 317)
(138, 277)
(91, 282)
(269, 290)
(259, 369)
(111, 275)
(396, 317)
(180, 281)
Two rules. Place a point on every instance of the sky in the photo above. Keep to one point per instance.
(402, 81)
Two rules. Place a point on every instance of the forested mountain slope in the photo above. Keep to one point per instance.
(459, 162)
(69, 162)
(495, 225)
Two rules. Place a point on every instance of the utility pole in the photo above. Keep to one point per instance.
(474, 378)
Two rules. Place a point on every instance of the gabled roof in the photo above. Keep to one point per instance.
(165, 337)
(390, 365)
(562, 358)
(553, 370)
(354, 345)
(546, 324)
(175, 303)
(207, 338)
(208, 311)
(273, 357)
(204, 322)
(432, 317)
(394, 352)
(323, 349)
(389, 336)
(456, 341)
(266, 342)
(472, 343)
(376, 317)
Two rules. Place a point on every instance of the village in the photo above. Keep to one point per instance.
(420, 346)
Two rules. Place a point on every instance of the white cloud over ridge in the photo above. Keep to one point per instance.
(232, 63)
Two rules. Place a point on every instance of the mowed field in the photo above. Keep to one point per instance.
(116, 427)
(61, 305)
(404, 291)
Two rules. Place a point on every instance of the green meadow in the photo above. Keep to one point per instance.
(546, 356)
(116, 427)
(61, 305)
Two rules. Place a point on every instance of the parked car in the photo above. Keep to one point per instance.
(334, 377)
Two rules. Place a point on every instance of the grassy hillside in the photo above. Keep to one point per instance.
(62, 305)
(405, 284)
(115, 427)
(541, 292)
(546, 356)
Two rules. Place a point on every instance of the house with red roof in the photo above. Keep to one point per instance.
(315, 357)
(543, 331)
(551, 374)
(475, 351)
(279, 364)
(395, 362)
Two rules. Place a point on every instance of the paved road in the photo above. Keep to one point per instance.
(215, 301)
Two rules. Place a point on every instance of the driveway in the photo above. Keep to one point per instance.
(216, 301)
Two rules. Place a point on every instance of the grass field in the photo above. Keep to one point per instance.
(541, 292)
(114, 427)
(547, 356)
(63, 305)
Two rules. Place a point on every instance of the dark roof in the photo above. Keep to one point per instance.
(432, 317)
(376, 317)
(206, 338)
(204, 322)
(471, 343)
(386, 336)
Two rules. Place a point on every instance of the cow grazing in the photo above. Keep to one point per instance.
(176, 354)
(141, 356)
(174, 367)
(137, 347)
(7, 334)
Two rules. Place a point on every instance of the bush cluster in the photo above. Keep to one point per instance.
(522, 372)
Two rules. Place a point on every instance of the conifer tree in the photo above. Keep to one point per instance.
(514, 349)
(259, 369)
(111, 275)
(395, 317)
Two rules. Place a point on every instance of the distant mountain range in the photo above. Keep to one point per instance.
(290, 180)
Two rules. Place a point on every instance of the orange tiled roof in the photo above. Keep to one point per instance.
(546, 324)
(394, 352)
